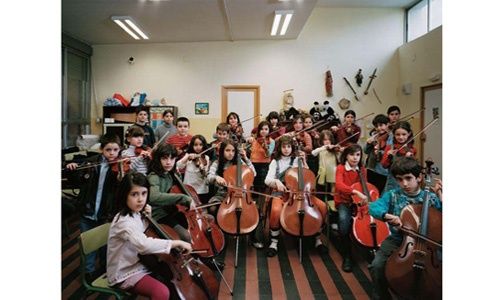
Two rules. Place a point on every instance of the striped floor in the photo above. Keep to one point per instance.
(257, 276)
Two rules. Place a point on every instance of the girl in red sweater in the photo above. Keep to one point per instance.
(347, 174)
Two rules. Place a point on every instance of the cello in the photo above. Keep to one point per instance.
(415, 269)
(205, 234)
(367, 230)
(190, 277)
(300, 216)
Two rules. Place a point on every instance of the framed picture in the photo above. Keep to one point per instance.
(201, 108)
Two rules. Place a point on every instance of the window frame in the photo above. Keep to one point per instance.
(428, 23)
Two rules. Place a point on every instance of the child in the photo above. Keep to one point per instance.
(388, 208)
(97, 192)
(141, 121)
(262, 149)
(227, 158)
(393, 113)
(161, 179)
(196, 167)
(221, 134)
(347, 129)
(283, 161)
(275, 131)
(139, 156)
(312, 160)
(402, 133)
(375, 146)
(348, 173)
(182, 138)
(233, 119)
(167, 128)
(303, 137)
(127, 240)
(327, 161)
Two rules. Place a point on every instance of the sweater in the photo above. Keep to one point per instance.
(162, 202)
(344, 179)
(327, 165)
(164, 128)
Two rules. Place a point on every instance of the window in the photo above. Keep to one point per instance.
(423, 17)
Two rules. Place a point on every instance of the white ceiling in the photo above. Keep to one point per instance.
(193, 20)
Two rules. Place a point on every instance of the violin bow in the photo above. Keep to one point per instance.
(98, 164)
(365, 116)
(338, 144)
(419, 133)
(409, 115)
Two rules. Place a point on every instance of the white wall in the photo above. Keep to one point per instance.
(342, 40)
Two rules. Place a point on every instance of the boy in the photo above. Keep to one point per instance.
(182, 138)
(97, 192)
(139, 157)
(167, 128)
(388, 208)
(374, 149)
(221, 134)
(393, 113)
(141, 120)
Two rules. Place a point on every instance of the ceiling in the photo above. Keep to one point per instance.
(194, 20)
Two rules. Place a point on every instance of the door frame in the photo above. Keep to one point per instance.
(241, 88)
(424, 89)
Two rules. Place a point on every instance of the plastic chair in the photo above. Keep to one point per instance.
(91, 241)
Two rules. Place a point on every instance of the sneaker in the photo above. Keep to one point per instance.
(257, 245)
(334, 226)
(272, 252)
(322, 249)
(347, 265)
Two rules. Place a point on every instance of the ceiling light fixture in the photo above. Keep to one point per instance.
(134, 30)
(277, 18)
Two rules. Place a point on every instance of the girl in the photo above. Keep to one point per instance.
(303, 137)
(347, 174)
(227, 158)
(312, 160)
(127, 240)
(402, 133)
(262, 149)
(347, 129)
(136, 150)
(196, 167)
(283, 161)
(161, 180)
(233, 119)
(274, 129)
(327, 160)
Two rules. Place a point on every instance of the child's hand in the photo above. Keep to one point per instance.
(438, 187)
(370, 140)
(243, 154)
(148, 210)
(145, 154)
(220, 181)
(330, 147)
(184, 247)
(72, 166)
(364, 199)
(250, 140)
(391, 152)
(334, 128)
(192, 205)
(393, 220)
(280, 186)
(409, 154)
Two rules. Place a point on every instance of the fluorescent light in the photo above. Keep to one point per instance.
(133, 27)
(277, 18)
(285, 24)
(276, 23)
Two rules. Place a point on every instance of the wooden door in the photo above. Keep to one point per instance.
(432, 144)
(243, 100)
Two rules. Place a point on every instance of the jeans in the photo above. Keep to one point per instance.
(86, 225)
(377, 268)
(345, 224)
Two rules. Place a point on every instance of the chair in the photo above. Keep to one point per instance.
(91, 241)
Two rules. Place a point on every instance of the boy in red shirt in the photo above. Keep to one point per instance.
(181, 139)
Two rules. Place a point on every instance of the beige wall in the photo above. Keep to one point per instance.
(419, 61)
(341, 40)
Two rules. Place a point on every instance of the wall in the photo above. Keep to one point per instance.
(419, 60)
(339, 39)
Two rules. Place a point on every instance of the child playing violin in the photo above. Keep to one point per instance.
(275, 130)
(196, 167)
(388, 208)
(182, 138)
(283, 161)
(304, 139)
(142, 122)
(327, 161)
(233, 119)
(161, 180)
(402, 133)
(348, 129)
(262, 149)
(127, 240)
(312, 160)
(139, 155)
(375, 146)
(96, 198)
(221, 134)
(348, 173)
(393, 113)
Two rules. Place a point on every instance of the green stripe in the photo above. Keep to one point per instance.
(311, 274)
(263, 274)
(286, 271)
(240, 271)
(342, 287)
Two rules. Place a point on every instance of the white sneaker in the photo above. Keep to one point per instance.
(334, 226)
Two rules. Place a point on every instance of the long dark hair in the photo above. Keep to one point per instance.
(351, 149)
(163, 150)
(129, 180)
(222, 160)
(193, 139)
(284, 140)
(262, 124)
(329, 135)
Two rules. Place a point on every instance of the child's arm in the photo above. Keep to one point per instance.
(380, 207)
(316, 151)
(340, 185)
(386, 158)
(212, 176)
(270, 149)
(248, 162)
(159, 198)
(307, 143)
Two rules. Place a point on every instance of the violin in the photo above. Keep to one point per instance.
(367, 230)
(190, 278)
(205, 234)
(415, 269)
(264, 143)
(238, 213)
(300, 216)
(143, 151)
